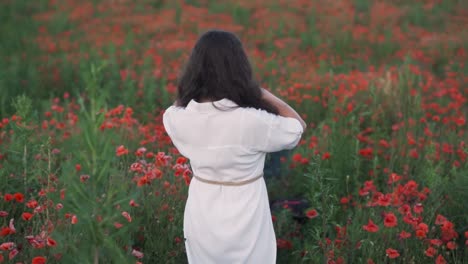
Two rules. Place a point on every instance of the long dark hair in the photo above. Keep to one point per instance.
(218, 68)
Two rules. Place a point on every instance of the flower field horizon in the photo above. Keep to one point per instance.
(89, 175)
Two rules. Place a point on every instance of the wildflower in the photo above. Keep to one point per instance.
(366, 152)
(13, 253)
(283, 244)
(384, 199)
(390, 220)
(8, 197)
(312, 213)
(451, 245)
(440, 219)
(7, 246)
(326, 156)
(460, 121)
(393, 177)
(127, 216)
(371, 227)
(27, 216)
(430, 252)
(181, 160)
(39, 260)
(140, 152)
(440, 260)
(404, 235)
(133, 203)
(74, 219)
(32, 204)
(418, 208)
(344, 200)
(51, 242)
(5, 231)
(121, 150)
(19, 197)
(436, 242)
(392, 253)
(422, 230)
(84, 178)
(137, 254)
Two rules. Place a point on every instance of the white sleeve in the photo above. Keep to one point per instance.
(266, 132)
(168, 121)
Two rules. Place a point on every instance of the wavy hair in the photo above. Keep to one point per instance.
(219, 68)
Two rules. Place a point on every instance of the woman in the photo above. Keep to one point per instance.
(224, 123)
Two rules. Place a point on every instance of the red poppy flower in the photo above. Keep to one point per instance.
(440, 219)
(8, 197)
(390, 220)
(384, 199)
(137, 254)
(7, 246)
(39, 260)
(371, 227)
(74, 219)
(440, 260)
(422, 230)
(32, 204)
(27, 216)
(51, 242)
(283, 243)
(139, 152)
(366, 152)
(84, 177)
(312, 213)
(344, 200)
(404, 235)
(13, 253)
(326, 156)
(451, 245)
(392, 253)
(430, 252)
(127, 216)
(19, 197)
(181, 160)
(436, 242)
(393, 177)
(5, 231)
(121, 150)
(418, 208)
(460, 121)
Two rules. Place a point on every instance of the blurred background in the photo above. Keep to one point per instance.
(380, 175)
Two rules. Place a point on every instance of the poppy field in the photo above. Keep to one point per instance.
(89, 175)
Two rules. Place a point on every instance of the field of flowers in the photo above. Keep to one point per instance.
(88, 174)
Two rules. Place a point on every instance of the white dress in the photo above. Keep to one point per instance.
(228, 224)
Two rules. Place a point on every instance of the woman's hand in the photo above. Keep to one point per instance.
(283, 108)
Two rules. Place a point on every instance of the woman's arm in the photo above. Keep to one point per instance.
(283, 108)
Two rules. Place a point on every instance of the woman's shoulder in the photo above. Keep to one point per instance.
(173, 109)
(257, 115)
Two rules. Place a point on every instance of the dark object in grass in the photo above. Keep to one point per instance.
(297, 207)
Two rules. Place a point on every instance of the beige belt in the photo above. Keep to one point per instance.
(229, 183)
